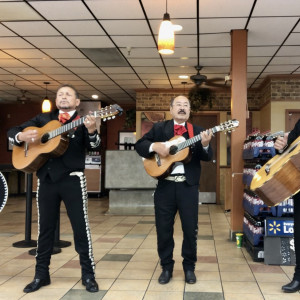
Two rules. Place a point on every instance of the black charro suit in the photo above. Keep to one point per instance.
(62, 178)
(170, 197)
(293, 135)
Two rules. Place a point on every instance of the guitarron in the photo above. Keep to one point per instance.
(52, 141)
(279, 178)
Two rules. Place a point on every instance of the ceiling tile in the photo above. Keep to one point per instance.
(80, 27)
(13, 43)
(275, 8)
(26, 53)
(34, 28)
(62, 10)
(77, 62)
(91, 41)
(126, 27)
(117, 9)
(49, 42)
(63, 53)
(269, 31)
(10, 11)
(5, 32)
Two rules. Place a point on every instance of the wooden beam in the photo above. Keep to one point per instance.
(238, 111)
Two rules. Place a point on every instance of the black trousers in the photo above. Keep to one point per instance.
(170, 197)
(72, 190)
(297, 234)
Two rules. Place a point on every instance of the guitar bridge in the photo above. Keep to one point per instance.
(26, 149)
(157, 158)
(267, 169)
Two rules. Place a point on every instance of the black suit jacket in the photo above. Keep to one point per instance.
(164, 131)
(74, 157)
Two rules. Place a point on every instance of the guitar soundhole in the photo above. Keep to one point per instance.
(45, 138)
(173, 150)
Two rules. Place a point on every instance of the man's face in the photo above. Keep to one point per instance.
(180, 110)
(66, 99)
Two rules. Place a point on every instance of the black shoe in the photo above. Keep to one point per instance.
(91, 285)
(165, 277)
(36, 284)
(190, 277)
(291, 287)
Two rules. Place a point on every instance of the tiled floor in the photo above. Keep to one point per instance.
(127, 264)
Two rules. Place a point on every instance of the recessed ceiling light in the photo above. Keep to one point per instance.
(95, 96)
(183, 76)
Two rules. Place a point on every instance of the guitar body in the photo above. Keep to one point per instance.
(38, 153)
(283, 179)
(160, 167)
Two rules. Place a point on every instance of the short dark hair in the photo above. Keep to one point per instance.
(71, 87)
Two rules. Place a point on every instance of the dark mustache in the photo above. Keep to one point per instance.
(182, 111)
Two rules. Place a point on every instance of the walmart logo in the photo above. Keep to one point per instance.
(274, 227)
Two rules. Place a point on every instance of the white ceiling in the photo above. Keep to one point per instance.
(86, 43)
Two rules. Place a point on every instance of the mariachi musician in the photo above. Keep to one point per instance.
(178, 191)
(62, 178)
(281, 144)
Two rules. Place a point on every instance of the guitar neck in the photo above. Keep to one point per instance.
(193, 140)
(66, 127)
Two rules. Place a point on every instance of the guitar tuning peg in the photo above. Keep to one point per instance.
(113, 117)
(109, 118)
(104, 119)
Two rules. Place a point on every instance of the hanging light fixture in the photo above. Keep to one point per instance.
(166, 39)
(46, 106)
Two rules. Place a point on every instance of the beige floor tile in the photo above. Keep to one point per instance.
(130, 285)
(107, 273)
(46, 294)
(114, 265)
(237, 276)
(172, 286)
(273, 277)
(228, 296)
(151, 295)
(283, 296)
(67, 272)
(124, 295)
(140, 265)
(210, 276)
(207, 267)
(235, 268)
(241, 288)
(136, 274)
(271, 288)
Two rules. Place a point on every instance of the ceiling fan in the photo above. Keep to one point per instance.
(200, 79)
(23, 98)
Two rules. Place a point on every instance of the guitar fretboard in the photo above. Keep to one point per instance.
(66, 128)
(192, 140)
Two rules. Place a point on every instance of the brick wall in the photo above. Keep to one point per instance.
(274, 88)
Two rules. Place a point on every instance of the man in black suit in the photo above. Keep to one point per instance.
(281, 144)
(62, 178)
(178, 191)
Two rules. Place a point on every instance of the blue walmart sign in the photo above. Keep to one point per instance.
(279, 227)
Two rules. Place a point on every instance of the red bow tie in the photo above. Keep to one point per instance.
(64, 117)
(179, 129)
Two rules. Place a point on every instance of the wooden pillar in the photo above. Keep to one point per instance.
(238, 111)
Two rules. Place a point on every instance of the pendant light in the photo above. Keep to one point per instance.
(46, 106)
(166, 39)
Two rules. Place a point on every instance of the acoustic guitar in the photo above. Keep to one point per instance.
(279, 178)
(52, 140)
(160, 167)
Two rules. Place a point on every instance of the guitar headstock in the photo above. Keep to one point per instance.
(108, 112)
(227, 126)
